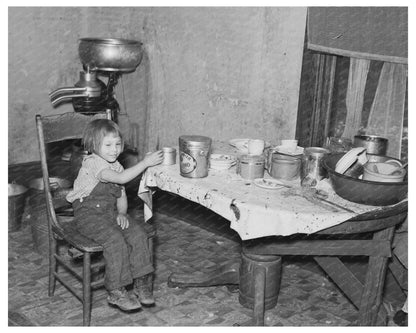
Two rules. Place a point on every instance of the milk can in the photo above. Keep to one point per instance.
(194, 151)
(312, 169)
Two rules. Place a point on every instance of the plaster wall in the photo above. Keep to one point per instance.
(221, 72)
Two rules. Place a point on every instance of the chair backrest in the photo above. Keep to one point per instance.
(56, 128)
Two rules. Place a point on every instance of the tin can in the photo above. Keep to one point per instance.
(285, 167)
(169, 156)
(251, 166)
(312, 170)
(194, 151)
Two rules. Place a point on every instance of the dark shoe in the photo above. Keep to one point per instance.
(400, 318)
(122, 299)
(143, 289)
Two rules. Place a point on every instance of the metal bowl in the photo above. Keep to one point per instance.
(110, 54)
(364, 191)
(55, 184)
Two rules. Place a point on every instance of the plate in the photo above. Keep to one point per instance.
(281, 149)
(221, 166)
(270, 184)
(242, 145)
(222, 158)
(348, 159)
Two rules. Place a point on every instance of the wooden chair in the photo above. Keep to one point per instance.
(52, 129)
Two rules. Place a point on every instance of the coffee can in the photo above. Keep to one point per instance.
(194, 152)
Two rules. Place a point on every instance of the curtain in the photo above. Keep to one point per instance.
(357, 79)
(387, 110)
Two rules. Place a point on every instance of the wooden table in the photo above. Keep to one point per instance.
(275, 223)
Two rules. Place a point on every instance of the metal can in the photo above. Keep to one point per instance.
(285, 167)
(312, 169)
(251, 166)
(169, 156)
(194, 151)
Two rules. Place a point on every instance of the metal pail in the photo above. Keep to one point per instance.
(17, 198)
(194, 151)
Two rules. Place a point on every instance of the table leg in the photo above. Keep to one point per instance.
(373, 287)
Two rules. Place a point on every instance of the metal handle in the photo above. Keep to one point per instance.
(60, 91)
(56, 101)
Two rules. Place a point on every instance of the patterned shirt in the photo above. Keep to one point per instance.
(89, 176)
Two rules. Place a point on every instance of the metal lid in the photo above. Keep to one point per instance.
(252, 159)
(316, 151)
(195, 139)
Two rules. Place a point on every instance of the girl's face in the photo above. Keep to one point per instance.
(110, 147)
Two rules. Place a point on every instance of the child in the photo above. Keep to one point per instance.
(100, 211)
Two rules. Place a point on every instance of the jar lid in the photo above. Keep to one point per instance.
(279, 156)
(195, 139)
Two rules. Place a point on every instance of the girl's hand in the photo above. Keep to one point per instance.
(122, 221)
(152, 159)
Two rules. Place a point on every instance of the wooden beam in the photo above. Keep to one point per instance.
(343, 278)
(376, 248)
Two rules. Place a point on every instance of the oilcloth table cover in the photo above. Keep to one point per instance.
(253, 211)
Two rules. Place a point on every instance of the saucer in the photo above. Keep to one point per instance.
(281, 149)
(269, 184)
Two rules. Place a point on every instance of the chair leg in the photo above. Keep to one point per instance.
(86, 289)
(53, 248)
(150, 244)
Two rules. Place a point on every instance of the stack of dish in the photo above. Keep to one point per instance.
(221, 161)
(242, 145)
(350, 158)
(284, 150)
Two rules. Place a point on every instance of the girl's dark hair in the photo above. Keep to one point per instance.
(95, 132)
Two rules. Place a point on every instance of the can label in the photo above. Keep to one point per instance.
(187, 163)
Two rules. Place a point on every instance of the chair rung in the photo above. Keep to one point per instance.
(97, 266)
(66, 266)
(67, 286)
(98, 283)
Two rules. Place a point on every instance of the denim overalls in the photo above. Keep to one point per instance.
(126, 252)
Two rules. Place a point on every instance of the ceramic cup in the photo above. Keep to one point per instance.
(255, 146)
(169, 156)
(289, 145)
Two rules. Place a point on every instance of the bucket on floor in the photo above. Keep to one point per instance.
(272, 266)
(194, 152)
(17, 198)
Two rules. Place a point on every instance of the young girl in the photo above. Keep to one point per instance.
(100, 211)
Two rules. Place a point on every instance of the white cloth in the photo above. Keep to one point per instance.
(252, 211)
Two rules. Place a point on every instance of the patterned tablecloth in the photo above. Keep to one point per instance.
(252, 211)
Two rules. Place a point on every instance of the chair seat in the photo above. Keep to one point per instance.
(68, 231)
